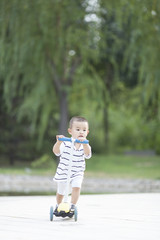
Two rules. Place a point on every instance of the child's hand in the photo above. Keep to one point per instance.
(56, 147)
(59, 136)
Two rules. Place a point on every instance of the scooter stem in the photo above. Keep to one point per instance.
(69, 172)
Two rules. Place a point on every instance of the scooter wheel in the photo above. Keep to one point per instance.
(75, 214)
(51, 213)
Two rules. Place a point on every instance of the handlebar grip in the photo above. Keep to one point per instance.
(69, 140)
(65, 139)
(84, 142)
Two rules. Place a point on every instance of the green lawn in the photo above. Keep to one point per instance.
(112, 166)
(26, 169)
(124, 166)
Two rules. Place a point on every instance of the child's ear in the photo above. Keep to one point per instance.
(69, 130)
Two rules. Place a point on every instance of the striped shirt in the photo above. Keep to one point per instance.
(77, 165)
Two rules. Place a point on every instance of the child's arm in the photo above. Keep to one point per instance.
(56, 147)
(87, 150)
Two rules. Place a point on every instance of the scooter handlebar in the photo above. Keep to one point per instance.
(69, 140)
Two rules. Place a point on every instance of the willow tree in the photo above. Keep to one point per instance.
(130, 45)
(131, 29)
(43, 44)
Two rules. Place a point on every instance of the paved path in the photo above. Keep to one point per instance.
(112, 217)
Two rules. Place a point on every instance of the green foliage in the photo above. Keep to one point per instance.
(130, 55)
(44, 161)
(57, 60)
(46, 43)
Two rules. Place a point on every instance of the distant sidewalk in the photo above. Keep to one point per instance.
(36, 184)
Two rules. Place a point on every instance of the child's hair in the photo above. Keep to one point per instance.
(77, 119)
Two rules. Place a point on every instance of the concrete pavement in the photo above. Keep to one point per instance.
(113, 217)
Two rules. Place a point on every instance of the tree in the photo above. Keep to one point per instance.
(129, 54)
(46, 42)
(137, 24)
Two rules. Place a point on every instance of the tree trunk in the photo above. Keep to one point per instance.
(106, 126)
(63, 124)
(106, 121)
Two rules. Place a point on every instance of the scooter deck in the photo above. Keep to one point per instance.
(63, 214)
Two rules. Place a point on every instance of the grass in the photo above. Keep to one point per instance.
(112, 166)
(26, 169)
(121, 166)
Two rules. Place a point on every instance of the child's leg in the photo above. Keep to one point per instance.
(76, 188)
(59, 198)
(61, 186)
(75, 195)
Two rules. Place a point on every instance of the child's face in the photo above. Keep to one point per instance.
(79, 130)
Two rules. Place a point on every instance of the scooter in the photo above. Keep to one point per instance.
(64, 207)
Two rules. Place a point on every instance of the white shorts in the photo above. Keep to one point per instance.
(61, 186)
